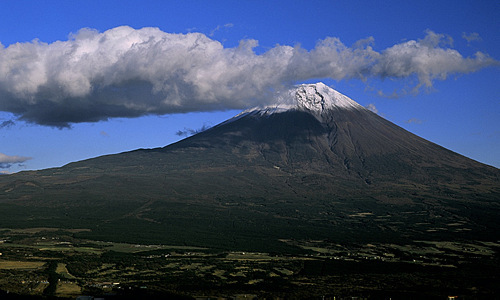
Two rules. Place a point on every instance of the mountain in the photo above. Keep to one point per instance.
(314, 166)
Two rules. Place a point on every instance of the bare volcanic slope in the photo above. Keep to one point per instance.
(316, 165)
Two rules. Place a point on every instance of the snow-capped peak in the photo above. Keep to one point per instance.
(319, 97)
(314, 98)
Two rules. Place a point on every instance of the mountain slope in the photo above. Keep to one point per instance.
(316, 165)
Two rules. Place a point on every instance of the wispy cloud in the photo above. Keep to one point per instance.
(124, 72)
(414, 121)
(394, 95)
(470, 37)
(7, 161)
(372, 108)
(219, 27)
(7, 123)
(190, 131)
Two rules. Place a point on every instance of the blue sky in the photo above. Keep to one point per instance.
(68, 93)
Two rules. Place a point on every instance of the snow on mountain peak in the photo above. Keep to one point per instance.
(316, 99)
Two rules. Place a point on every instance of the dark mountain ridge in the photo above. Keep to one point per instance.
(315, 166)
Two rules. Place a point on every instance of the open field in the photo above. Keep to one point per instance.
(68, 289)
(41, 229)
(63, 271)
(52, 262)
(20, 265)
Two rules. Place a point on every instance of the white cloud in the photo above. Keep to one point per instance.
(372, 108)
(124, 72)
(427, 60)
(470, 37)
(7, 161)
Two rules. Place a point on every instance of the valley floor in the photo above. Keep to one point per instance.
(50, 263)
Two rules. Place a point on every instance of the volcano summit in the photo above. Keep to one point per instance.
(329, 198)
(315, 166)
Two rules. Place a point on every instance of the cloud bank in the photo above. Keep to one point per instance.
(7, 161)
(126, 72)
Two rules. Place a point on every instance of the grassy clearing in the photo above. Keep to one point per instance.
(61, 270)
(192, 266)
(254, 281)
(474, 248)
(68, 289)
(100, 247)
(71, 249)
(249, 256)
(42, 229)
(284, 271)
(40, 288)
(219, 273)
(20, 265)
(135, 248)
(321, 250)
(172, 265)
(55, 246)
